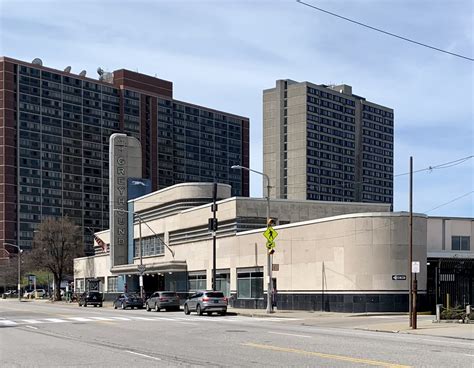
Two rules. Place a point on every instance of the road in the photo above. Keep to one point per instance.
(39, 334)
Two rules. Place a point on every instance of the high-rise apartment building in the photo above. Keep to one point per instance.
(54, 143)
(325, 143)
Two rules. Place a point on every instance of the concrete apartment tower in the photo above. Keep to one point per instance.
(325, 143)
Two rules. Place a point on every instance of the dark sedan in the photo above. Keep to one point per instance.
(90, 298)
(168, 300)
(128, 300)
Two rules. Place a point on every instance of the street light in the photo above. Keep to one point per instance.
(19, 267)
(269, 256)
(141, 267)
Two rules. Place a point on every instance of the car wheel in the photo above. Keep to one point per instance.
(85, 304)
(123, 306)
(147, 307)
(209, 313)
(186, 309)
(115, 306)
(223, 313)
(157, 308)
(199, 310)
(100, 305)
(95, 305)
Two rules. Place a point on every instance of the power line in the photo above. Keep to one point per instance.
(440, 166)
(384, 32)
(451, 201)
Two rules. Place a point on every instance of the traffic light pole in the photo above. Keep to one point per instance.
(214, 210)
(269, 256)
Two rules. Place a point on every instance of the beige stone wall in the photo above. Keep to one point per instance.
(440, 231)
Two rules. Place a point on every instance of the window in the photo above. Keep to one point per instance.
(80, 285)
(250, 283)
(460, 243)
(197, 281)
(223, 282)
(112, 284)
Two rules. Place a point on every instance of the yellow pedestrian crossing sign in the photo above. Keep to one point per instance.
(270, 234)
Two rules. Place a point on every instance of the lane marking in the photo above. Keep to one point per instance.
(32, 321)
(145, 318)
(327, 356)
(143, 355)
(80, 319)
(288, 334)
(7, 322)
(102, 318)
(32, 327)
(55, 320)
(120, 318)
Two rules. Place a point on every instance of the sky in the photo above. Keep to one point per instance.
(223, 54)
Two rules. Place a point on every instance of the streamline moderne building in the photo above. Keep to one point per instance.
(337, 256)
(54, 141)
(326, 143)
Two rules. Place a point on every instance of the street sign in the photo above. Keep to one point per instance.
(399, 277)
(141, 269)
(270, 244)
(415, 267)
(270, 234)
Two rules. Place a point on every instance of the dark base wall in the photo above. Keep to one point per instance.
(346, 303)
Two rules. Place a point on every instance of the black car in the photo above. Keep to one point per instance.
(90, 298)
(128, 300)
(168, 300)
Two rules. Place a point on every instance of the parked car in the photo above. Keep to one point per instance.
(206, 302)
(37, 293)
(128, 300)
(90, 298)
(10, 294)
(168, 300)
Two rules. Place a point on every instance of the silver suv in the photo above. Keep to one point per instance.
(206, 302)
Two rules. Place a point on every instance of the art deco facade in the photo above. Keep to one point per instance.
(325, 143)
(54, 137)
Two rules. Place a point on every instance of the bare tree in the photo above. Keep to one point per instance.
(56, 243)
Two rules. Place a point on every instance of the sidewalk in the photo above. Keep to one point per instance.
(425, 324)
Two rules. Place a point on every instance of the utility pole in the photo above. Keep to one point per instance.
(140, 268)
(269, 256)
(214, 230)
(410, 245)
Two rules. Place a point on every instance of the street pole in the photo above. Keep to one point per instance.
(19, 267)
(19, 274)
(214, 209)
(269, 256)
(410, 246)
(140, 255)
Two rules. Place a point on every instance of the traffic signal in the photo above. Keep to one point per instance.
(270, 222)
(212, 224)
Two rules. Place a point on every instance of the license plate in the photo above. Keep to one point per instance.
(216, 300)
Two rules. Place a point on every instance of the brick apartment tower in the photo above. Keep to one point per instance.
(54, 132)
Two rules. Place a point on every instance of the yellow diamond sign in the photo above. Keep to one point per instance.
(270, 234)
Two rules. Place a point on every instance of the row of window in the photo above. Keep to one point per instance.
(330, 96)
(377, 111)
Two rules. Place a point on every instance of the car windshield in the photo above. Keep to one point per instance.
(215, 294)
(168, 294)
(133, 296)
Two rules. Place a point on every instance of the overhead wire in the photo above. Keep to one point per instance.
(451, 201)
(385, 32)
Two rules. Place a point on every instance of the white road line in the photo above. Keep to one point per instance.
(7, 322)
(288, 334)
(144, 318)
(120, 318)
(32, 321)
(34, 328)
(55, 320)
(80, 319)
(471, 355)
(142, 355)
(101, 319)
